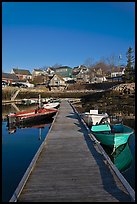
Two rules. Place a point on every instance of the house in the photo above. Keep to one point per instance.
(50, 71)
(117, 71)
(22, 74)
(41, 79)
(64, 71)
(57, 82)
(75, 71)
(9, 78)
(98, 79)
(38, 72)
(81, 73)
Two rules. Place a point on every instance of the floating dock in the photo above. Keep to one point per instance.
(70, 167)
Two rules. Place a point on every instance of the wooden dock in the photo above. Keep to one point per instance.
(71, 168)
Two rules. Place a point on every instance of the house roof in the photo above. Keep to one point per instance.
(118, 69)
(10, 76)
(60, 77)
(38, 70)
(63, 67)
(22, 71)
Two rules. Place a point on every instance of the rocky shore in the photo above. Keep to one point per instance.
(125, 88)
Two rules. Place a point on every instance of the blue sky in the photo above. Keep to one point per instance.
(37, 34)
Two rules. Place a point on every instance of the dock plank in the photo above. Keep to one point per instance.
(70, 167)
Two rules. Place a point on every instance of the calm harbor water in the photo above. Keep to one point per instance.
(19, 148)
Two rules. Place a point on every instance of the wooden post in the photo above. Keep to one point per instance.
(15, 95)
(39, 101)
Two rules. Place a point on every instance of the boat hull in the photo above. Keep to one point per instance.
(36, 118)
(93, 119)
(31, 116)
(118, 135)
(124, 159)
(51, 105)
(113, 140)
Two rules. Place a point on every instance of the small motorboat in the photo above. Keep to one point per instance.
(112, 135)
(93, 117)
(31, 116)
(26, 101)
(51, 105)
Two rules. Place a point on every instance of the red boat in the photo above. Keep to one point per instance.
(31, 116)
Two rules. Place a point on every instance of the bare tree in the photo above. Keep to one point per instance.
(89, 62)
(56, 65)
(101, 67)
(112, 60)
(44, 67)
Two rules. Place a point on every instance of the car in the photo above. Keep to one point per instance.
(19, 84)
(4, 84)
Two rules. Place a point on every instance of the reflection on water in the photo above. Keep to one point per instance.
(12, 127)
(19, 145)
(8, 108)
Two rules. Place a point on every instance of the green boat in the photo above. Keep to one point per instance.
(112, 135)
(121, 157)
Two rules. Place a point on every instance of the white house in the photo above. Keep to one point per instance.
(57, 82)
(118, 72)
(38, 72)
(98, 79)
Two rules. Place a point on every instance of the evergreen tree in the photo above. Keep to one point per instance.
(129, 75)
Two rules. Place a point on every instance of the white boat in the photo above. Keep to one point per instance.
(51, 105)
(29, 101)
(26, 101)
(93, 117)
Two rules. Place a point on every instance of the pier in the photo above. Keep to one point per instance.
(70, 167)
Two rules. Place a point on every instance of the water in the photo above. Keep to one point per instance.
(129, 174)
(18, 149)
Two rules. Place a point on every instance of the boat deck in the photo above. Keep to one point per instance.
(71, 168)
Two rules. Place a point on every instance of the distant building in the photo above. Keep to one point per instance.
(9, 78)
(57, 82)
(98, 79)
(22, 74)
(64, 71)
(38, 72)
(41, 79)
(50, 71)
(117, 72)
(81, 73)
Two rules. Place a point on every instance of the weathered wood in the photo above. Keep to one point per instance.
(71, 167)
(15, 95)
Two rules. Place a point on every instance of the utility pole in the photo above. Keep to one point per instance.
(119, 58)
